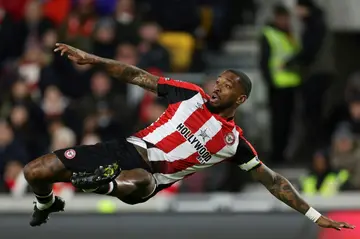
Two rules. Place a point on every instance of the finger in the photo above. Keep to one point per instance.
(60, 44)
(63, 51)
(59, 48)
(346, 225)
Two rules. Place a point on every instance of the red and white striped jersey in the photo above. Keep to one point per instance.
(187, 137)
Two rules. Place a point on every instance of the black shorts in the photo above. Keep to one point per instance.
(87, 158)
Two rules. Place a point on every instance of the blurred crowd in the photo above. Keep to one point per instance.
(48, 103)
(335, 167)
(304, 106)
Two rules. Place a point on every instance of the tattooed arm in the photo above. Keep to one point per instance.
(282, 189)
(128, 73)
(116, 69)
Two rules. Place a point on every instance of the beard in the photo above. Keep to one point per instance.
(218, 108)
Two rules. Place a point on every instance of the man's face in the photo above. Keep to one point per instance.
(354, 108)
(227, 92)
(100, 84)
(150, 33)
(343, 144)
(127, 53)
(302, 11)
(283, 22)
(319, 163)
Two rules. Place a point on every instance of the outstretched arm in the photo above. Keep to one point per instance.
(282, 189)
(128, 73)
(119, 70)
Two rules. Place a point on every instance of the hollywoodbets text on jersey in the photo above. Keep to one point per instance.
(204, 154)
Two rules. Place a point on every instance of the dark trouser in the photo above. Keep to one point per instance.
(282, 106)
(313, 93)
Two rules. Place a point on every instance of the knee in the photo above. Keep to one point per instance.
(34, 170)
(29, 172)
(143, 178)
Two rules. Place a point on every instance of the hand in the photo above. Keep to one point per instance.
(100, 176)
(328, 223)
(78, 56)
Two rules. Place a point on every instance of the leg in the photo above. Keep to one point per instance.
(276, 125)
(41, 173)
(282, 105)
(131, 186)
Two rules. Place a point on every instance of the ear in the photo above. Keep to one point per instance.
(241, 99)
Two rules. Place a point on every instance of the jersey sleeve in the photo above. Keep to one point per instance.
(246, 156)
(175, 91)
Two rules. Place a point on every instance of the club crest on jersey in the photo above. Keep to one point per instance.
(204, 154)
(70, 154)
(229, 138)
(199, 106)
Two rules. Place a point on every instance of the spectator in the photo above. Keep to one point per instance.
(7, 46)
(75, 78)
(20, 94)
(25, 128)
(37, 72)
(104, 38)
(49, 40)
(127, 22)
(152, 54)
(79, 25)
(128, 54)
(315, 62)
(104, 106)
(54, 103)
(346, 152)
(347, 110)
(322, 179)
(62, 138)
(13, 156)
(354, 111)
(31, 29)
(277, 45)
